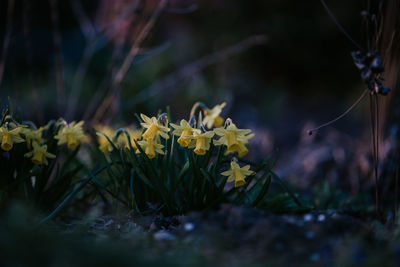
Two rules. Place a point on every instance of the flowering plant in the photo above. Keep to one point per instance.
(179, 167)
(34, 168)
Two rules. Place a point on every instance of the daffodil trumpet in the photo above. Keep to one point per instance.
(237, 174)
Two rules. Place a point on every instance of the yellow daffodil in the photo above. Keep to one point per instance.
(39, 154)
(153, 128)
(104, 144)
(234, 139)
(184, 131)
(150, 147)
(122, 140)
(72, 135)
(237, 174)
(9, 137)
(32, 135)
(212, 116)
(201, 141)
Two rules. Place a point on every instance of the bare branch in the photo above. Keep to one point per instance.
(187, 71)
(115, 87)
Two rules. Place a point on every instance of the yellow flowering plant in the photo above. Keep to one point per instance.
(234, 139)
(237, 174)
(212, 116)
(179, 167)
(31, 170)
(10, 135)
(71, 134)
(184, 131)
(39, 154)
(201, 142)
(102, 131)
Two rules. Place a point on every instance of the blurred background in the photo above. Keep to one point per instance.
(281, 66)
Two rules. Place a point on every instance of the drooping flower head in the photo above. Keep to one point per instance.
(71, 134)
(184, 131)
(201, 141)
(154, 127)
(212, 116)
(104, 144)
(150, 147)
(10, 136)
(234, 139)
(39, 154)
(237, 174)
(122, 140)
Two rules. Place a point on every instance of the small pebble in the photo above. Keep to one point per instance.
(290, 219)
(308, 217)
(188, 227)
(321, 218)
(335, 215)
(163, 235)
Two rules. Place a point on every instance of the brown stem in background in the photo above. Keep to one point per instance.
(29, 61)
(396, 191)
(114, 93)
(89, 32)
(101, 91)
(374, 135)
(7, 37)
(58, 55)
(191, 69)
(388, 44)
(93, 36)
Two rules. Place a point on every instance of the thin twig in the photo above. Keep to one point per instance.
(89, 32)
(310, 132)
(396, 192)
(102, 89)
(7, 37)
(339, 26)
(187, 71)
(58, 55)
(115, 87)
(84, 21)
(374, 151)
(93, 37)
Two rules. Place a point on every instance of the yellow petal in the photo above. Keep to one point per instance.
(200, 146)
(151, 131)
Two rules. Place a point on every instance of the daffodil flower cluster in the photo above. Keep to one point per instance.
(120, 139)
(12, 133)
(199, 138)
(148, 138)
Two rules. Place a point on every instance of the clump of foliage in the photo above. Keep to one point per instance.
(165, 167)
(35, 166)
(177, 168)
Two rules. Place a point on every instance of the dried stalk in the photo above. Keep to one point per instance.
(191, 69)
(113, 95)
(58, 55)
(7, 37)
(29, 61)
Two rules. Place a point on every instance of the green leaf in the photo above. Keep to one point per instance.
(263, 192)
